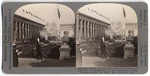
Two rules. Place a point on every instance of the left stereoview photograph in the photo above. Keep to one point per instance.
(43, 36)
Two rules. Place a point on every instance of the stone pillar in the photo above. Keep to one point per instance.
(87, 32)
(129, 50)
(77, 28)
(28, 31)
(84, 29)
(23, 30)
(15, 31)
(20, 30)
(80, 31)
(91, 30)
(64, 51)
(95, 30)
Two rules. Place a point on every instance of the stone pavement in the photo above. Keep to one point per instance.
(110, 62)
(32, 62)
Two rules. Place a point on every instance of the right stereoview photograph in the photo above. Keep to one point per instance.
(106, 36)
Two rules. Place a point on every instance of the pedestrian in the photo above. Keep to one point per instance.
(103, 49)
(39, 53)
(38, 49)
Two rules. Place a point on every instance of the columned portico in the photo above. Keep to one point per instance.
(89, 28)
(25, 29)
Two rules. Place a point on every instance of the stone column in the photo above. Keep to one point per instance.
(23, 30)
(20, 30)
(95, 30)
(81, 28)
(80, 31)
(28, 31)
(77, 28)
(88, 27)
(84, 29)
(15, 31)
(91, 30)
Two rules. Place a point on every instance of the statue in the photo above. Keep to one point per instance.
(129, 47)
(65, 38)
(130, 36)
(65, 49)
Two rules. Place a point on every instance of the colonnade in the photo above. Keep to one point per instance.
(88, 28)
(24, 30)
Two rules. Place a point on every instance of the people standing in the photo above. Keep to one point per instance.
(103, 49)
(38, 49)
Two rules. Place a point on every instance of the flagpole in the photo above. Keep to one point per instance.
(124, 16)
(58, 18)
(58, 32)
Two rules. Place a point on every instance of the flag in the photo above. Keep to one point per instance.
(58, 12)
(124, 12)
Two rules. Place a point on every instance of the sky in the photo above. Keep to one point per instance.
(111, 10)
(49, 13)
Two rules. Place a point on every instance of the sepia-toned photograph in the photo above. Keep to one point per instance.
(43, 36)
(80, 37)
(106, 36)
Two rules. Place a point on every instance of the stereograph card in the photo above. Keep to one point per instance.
(75, 37)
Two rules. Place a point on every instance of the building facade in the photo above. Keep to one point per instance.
(88, 28)
(24, 29)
